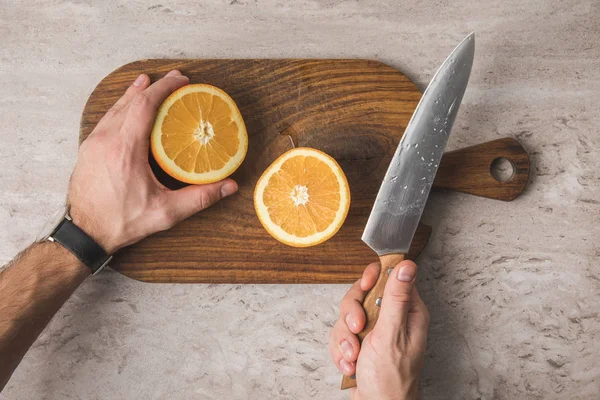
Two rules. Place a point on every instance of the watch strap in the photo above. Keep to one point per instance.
(81, 245)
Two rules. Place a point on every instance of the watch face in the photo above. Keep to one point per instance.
(51, 224)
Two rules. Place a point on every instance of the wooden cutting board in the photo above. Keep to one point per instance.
(354, 110)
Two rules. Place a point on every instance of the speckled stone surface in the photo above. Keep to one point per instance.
(513, 288)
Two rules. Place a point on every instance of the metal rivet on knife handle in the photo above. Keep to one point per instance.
(378, 302)
(390, 270)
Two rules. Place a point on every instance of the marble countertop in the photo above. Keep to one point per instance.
(513, 288)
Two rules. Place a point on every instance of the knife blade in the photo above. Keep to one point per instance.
(405, 188)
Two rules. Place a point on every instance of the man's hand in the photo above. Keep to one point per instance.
(114, 196)
(389, 362)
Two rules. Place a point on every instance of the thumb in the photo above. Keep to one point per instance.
(184, 203)
(396, 302)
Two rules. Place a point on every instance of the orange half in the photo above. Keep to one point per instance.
(199, 135)
(303, 198)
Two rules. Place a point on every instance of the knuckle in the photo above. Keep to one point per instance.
(205, 200)
(427, 317)
(115, 154)
(96, 138)
(114, 110)
(397, 352)
(141, 101)
(353, 295)
(335, 328)
(374, 266)
(400, 297)
(165, 215)
(376, 337)
(130, 92)
(335, 355)
(166, 218)
(388, 347)
(159, 198)
(157, 202)
(345, 304)
(352, 313)
(97, 144)
(338, 330)
(331, 336)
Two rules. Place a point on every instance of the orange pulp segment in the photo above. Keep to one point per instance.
(302, 199)
(199, 135)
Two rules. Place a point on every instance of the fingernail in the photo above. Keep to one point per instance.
(181, 77)
(347, 349)
(407, 273)
(345, 366)
(351, 323)
(139, 80)
(173, 73)
(228, 189)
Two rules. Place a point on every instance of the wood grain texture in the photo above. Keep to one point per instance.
(468, 170)
(354, 110)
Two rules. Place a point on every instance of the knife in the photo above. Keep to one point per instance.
(410, 175)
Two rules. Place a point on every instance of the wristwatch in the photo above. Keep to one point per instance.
(61, 229)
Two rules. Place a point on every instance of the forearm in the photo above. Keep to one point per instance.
(122, 204)
(32, 290)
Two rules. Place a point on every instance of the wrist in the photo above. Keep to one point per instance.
(70, 263)
(405, 391)
(91, 228)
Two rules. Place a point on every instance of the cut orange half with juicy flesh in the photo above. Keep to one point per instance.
(303, 198)
(199, 135)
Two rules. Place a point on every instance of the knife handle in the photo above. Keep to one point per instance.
(372, 303)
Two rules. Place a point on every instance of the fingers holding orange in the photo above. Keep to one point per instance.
(114, 117)
(183, 203)
(140, 84)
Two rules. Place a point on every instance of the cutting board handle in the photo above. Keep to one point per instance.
(469, 170)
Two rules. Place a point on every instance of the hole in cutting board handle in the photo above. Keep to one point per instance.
(502, 169)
